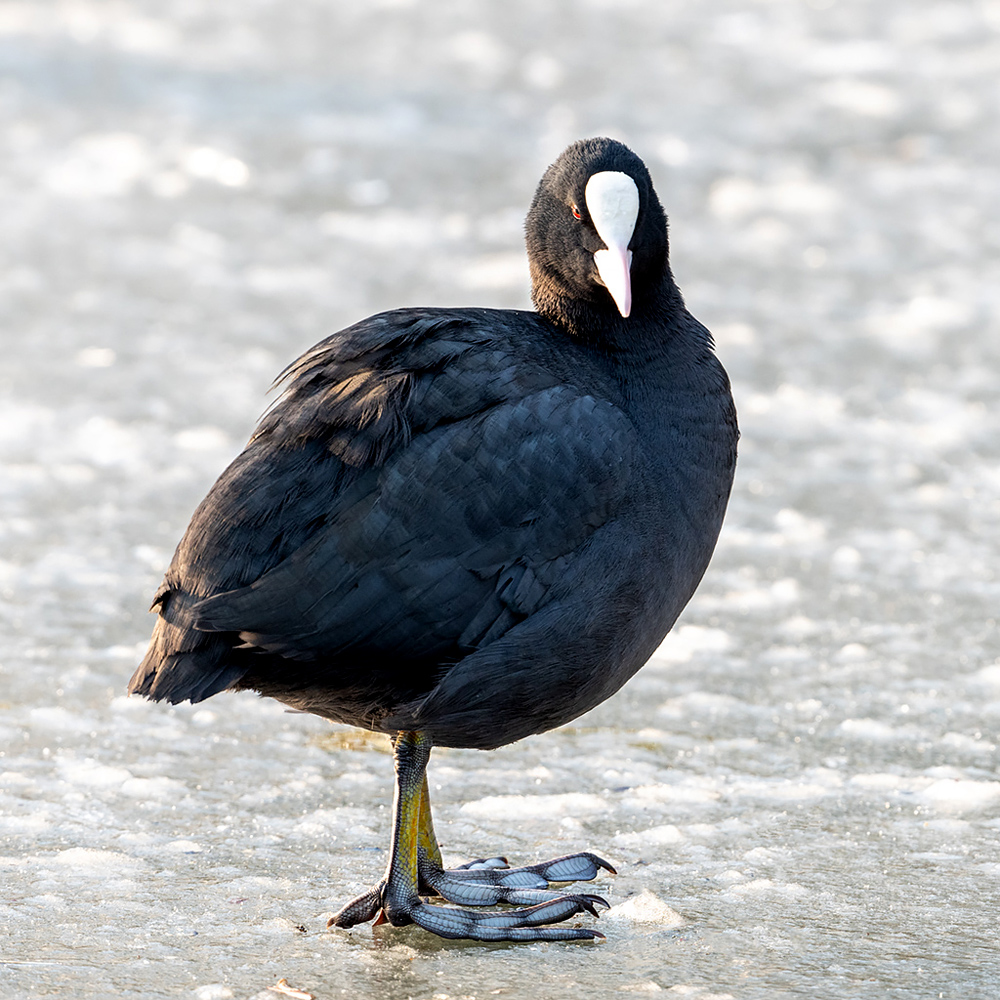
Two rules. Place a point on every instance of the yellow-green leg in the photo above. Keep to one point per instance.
(411, 751)
(427, 847)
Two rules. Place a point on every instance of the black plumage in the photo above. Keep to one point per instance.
(472, 523)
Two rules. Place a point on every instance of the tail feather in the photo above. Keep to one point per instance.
(183, 677)
(185, 665)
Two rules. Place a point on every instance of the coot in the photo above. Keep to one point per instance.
(464, 526)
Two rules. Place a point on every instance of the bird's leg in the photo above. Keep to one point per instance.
(428, 851)
(396, 898)
(410, 752)
(411, 829)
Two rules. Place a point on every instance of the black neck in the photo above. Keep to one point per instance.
(597, 323)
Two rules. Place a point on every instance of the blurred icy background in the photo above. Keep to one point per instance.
(801, 790)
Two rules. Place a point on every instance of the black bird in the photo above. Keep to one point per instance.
(464, 526)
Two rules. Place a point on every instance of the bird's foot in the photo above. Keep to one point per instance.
(488, 881)
(526, 924)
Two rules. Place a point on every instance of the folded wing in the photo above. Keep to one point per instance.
(418, 490)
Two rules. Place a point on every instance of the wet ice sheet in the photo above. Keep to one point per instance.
(800, 790)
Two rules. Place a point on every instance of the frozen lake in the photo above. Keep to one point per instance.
(801, 790)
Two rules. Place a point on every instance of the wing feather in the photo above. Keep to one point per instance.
(417, 490)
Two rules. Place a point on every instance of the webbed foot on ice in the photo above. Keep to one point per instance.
(525, 924)
(488, 881)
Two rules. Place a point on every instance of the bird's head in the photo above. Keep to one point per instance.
(596, 236)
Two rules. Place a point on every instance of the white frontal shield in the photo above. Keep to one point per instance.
(613, 203)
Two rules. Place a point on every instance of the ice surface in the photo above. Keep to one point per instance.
(801, 790)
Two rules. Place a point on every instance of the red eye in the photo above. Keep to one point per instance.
(576, 213)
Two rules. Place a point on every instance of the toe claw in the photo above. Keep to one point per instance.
(589, 903)
(601, 863)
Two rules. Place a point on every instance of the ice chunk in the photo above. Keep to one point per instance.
(213, 991)
(653, 837)
(536, 806)
(58, 719)
(766, 887)
(960, 795)
(96, 863)
(987, 677)
(703, 703)
(645, 908)
(153, 788)
(100, 165)
(678, 793)
(90, 774)
(184, 847)
(682, 643)
(698, 993)
(783, 789)
(867, 729)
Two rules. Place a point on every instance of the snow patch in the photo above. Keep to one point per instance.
(987, 677)
(682, 643)
(960, 795)
(153, 788)
(782, 789)
(183, 847)
(645, 908)
(213, 991)
(97, 863)
(90, 774)
(766, 887)
(703, 703)
(653, 837)
(58, 719)
(693, 794)
(868, 729)
(536, 806)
